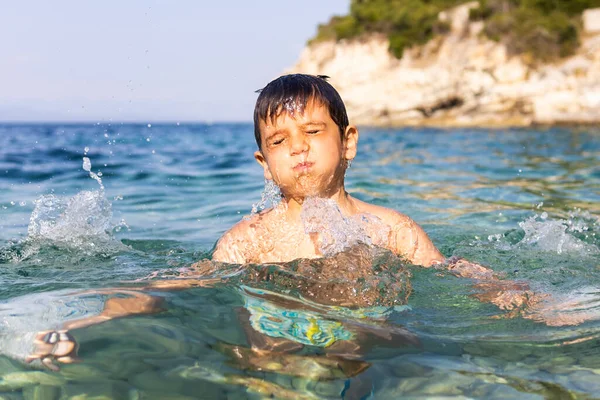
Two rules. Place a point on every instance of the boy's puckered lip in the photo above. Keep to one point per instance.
(303, 166)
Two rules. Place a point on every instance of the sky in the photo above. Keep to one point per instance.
(148, 61)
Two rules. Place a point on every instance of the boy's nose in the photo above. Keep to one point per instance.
(298, 144)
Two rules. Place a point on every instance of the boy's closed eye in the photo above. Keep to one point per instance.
(275, 139)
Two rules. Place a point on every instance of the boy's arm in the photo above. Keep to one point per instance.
(412, 242)
(59, 345)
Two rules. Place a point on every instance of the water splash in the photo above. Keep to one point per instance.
(271, 196)
(87, 214)
(336, 232)
(82, 222)
(575, 235)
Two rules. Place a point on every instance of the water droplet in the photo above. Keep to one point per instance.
(12, 203)
(149, 125)
(87, 164)
(153, 152)
(178, 124)
(147, 139)
(99, 173)
(22, 203)
(86, 149)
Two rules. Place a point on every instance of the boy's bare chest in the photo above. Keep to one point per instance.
(291, 244)
(287, 242)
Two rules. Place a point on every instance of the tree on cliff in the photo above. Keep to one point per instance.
(540, 29)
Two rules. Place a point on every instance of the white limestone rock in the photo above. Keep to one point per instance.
(459, 79)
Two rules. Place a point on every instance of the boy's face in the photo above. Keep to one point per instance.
(304, 154)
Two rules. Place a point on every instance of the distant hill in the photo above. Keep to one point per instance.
(542, 30)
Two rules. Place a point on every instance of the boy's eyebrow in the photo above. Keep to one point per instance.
(277, 132)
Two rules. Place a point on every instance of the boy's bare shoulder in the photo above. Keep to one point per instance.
(242, 228)
(237, 245)
(246, 229)
(407, 238)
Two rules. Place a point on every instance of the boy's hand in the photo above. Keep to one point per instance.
(467, 269)
(54, 346)
(518, 298)
(505, 294)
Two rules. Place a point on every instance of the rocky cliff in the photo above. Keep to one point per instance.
(460, 79)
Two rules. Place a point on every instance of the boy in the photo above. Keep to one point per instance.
(305, 144)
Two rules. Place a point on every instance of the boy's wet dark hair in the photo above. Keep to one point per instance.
(293, 92)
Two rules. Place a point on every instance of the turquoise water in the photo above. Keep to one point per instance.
(524, 202)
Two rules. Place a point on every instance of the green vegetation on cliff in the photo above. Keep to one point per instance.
(541, 29)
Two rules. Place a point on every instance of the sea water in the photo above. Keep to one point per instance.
(111, 205)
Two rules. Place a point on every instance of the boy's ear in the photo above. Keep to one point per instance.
(260, 158)
(350, 142)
